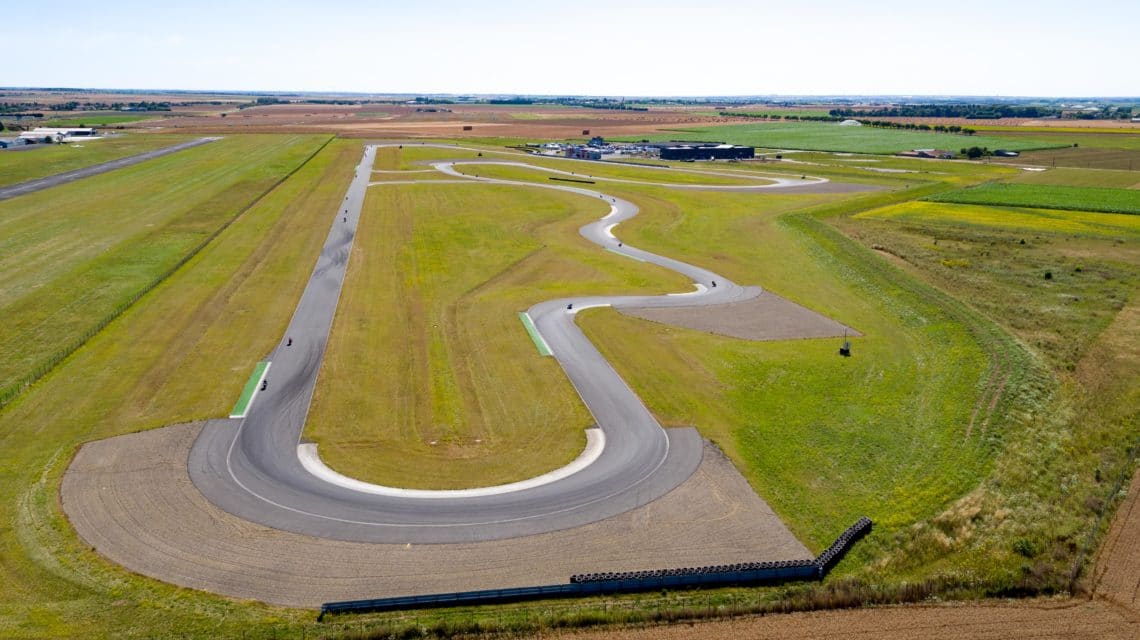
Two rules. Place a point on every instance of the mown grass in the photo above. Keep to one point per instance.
(72, 256)
(603, 172)
(1071, 177)
(1046, 197)
(50, 159)
(832, 137)
(97, 120)
(181, 353)
(430, 380)
(824, 439)
(1075, 223)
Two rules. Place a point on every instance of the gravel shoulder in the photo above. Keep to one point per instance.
(131, 499)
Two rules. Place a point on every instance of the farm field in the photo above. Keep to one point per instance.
(1082, 178)
(102, 119)
(73, 256)
(1054, 221)
(1046, 197)
(23, 165)
(452, 393)
(1119, 151)
(832, 137)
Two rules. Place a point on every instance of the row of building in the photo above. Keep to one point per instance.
(597, 148)
(49, 134)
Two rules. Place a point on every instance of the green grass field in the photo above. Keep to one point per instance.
(981, 421)
(1072, 301)
(1082, 178)
(832, 137)
(73, 256)
(453, 393)
(181, 353)
(103, 119)
(822, 438)
(603, 172)
(50, 159)
(1046, 197)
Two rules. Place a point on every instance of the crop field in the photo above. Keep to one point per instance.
(73, 256)
(49, 159)
(1075, 223)
(1046, 197)
(1106, 156)
(832, 137)
(1082, 178)
(451, 393)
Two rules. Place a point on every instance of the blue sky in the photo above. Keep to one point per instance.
(637, 47)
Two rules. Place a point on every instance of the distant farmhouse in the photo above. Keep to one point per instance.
(705, 151)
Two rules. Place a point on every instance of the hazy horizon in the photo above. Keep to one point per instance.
(641, 49)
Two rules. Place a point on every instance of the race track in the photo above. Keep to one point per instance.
(251, 467)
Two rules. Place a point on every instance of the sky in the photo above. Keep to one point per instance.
(583, 47)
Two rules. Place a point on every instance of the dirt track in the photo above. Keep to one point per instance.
(130, 498)
(1036, 619)
(1117, 573)
(768, 317)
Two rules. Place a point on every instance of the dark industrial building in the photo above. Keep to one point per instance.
(702, 151)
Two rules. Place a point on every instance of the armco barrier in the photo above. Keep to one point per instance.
(588, 584)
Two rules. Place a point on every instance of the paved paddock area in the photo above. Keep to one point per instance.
(131, 498)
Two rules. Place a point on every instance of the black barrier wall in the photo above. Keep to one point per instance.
(588, 584)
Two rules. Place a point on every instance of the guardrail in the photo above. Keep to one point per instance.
(587, 584)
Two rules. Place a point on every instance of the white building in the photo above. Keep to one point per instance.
(60, 134)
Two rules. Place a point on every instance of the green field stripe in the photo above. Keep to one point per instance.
(250, 388)
(543, 348)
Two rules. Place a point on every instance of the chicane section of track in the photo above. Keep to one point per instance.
(252, 467)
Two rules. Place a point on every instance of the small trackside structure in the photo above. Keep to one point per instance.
(590, 584)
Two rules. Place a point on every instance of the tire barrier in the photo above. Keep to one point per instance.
(603, 583)
(571, 180)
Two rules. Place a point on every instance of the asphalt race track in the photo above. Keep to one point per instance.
(250, 467)
(69, 176)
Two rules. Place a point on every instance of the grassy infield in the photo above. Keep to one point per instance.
(899, 432)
